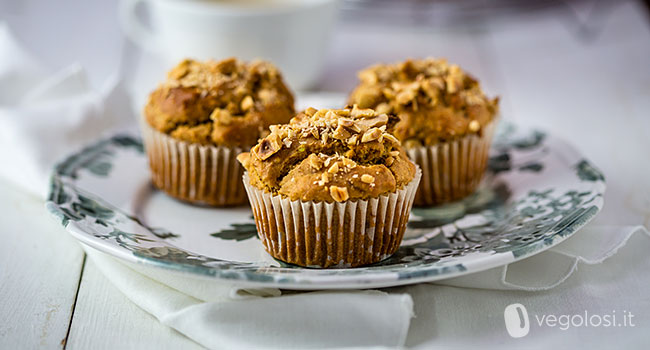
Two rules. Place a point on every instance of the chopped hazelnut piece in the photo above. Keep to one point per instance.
(349, 163)
(315, 162)
(368, 76)
(266, 95)
(348, 123)
(454, 79)
(391, 137)
(405, 97)
(366, 124)
(383, 108)
(341, 133)
(388, 93)
(310, 111)
(360, 112)
(181, 70)
(221, 116)
(269, 146)
(367, 178)
(343, 112)
(333, 169)
(437, 82)
(331, 114)
(394, 153)
(246, 103)
(430, 89)
(474, 125)
(390, 161)
(339, 194)
(371, 135)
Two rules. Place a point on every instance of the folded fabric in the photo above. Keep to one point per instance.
(44, 116)
(221, 316)
(591, 245)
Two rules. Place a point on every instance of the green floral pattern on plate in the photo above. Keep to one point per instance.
(507, 219)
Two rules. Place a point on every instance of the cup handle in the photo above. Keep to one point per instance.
(133, 27)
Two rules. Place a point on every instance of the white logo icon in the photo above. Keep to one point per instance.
(517, 323)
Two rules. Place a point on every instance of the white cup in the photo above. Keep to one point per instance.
(292, 34)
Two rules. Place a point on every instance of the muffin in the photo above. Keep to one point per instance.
(446, 122)
(331, 189)
(199, 119)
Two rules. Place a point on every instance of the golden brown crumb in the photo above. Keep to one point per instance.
(435, 101)
(236, 101)
(345, 166)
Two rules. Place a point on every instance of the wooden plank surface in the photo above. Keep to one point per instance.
(105, 319)
(40, 267)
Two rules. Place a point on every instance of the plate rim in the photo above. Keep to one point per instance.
(255, 278)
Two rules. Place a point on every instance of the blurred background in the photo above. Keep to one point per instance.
(470, 32)
(578, 68)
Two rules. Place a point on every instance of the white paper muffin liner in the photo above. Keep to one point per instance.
(341, 234)
(200, 174)
(452, 170)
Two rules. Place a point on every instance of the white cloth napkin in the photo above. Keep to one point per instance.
(220, 316)
(544, 271)
(44, 116)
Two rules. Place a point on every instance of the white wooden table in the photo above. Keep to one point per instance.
(592, 91)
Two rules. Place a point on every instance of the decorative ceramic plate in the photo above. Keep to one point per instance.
(537, 192)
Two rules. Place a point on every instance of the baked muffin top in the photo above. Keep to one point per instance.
(225, 103)
(330, 155)
(435, 101)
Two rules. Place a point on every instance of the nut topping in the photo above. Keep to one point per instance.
(246, 103)
(367, 178)
(269, 146)
(366, 124)
(371, 135)
(349, 163)
(341, 133)
(315, 162)
(221, 116)
(339, 194)
(383, 108)
(310, 111)
(324, 178)
(361, 113)
(474, 125)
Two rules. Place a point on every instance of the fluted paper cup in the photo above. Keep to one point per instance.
(200, 174)
(452, 170)
(341, 234)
